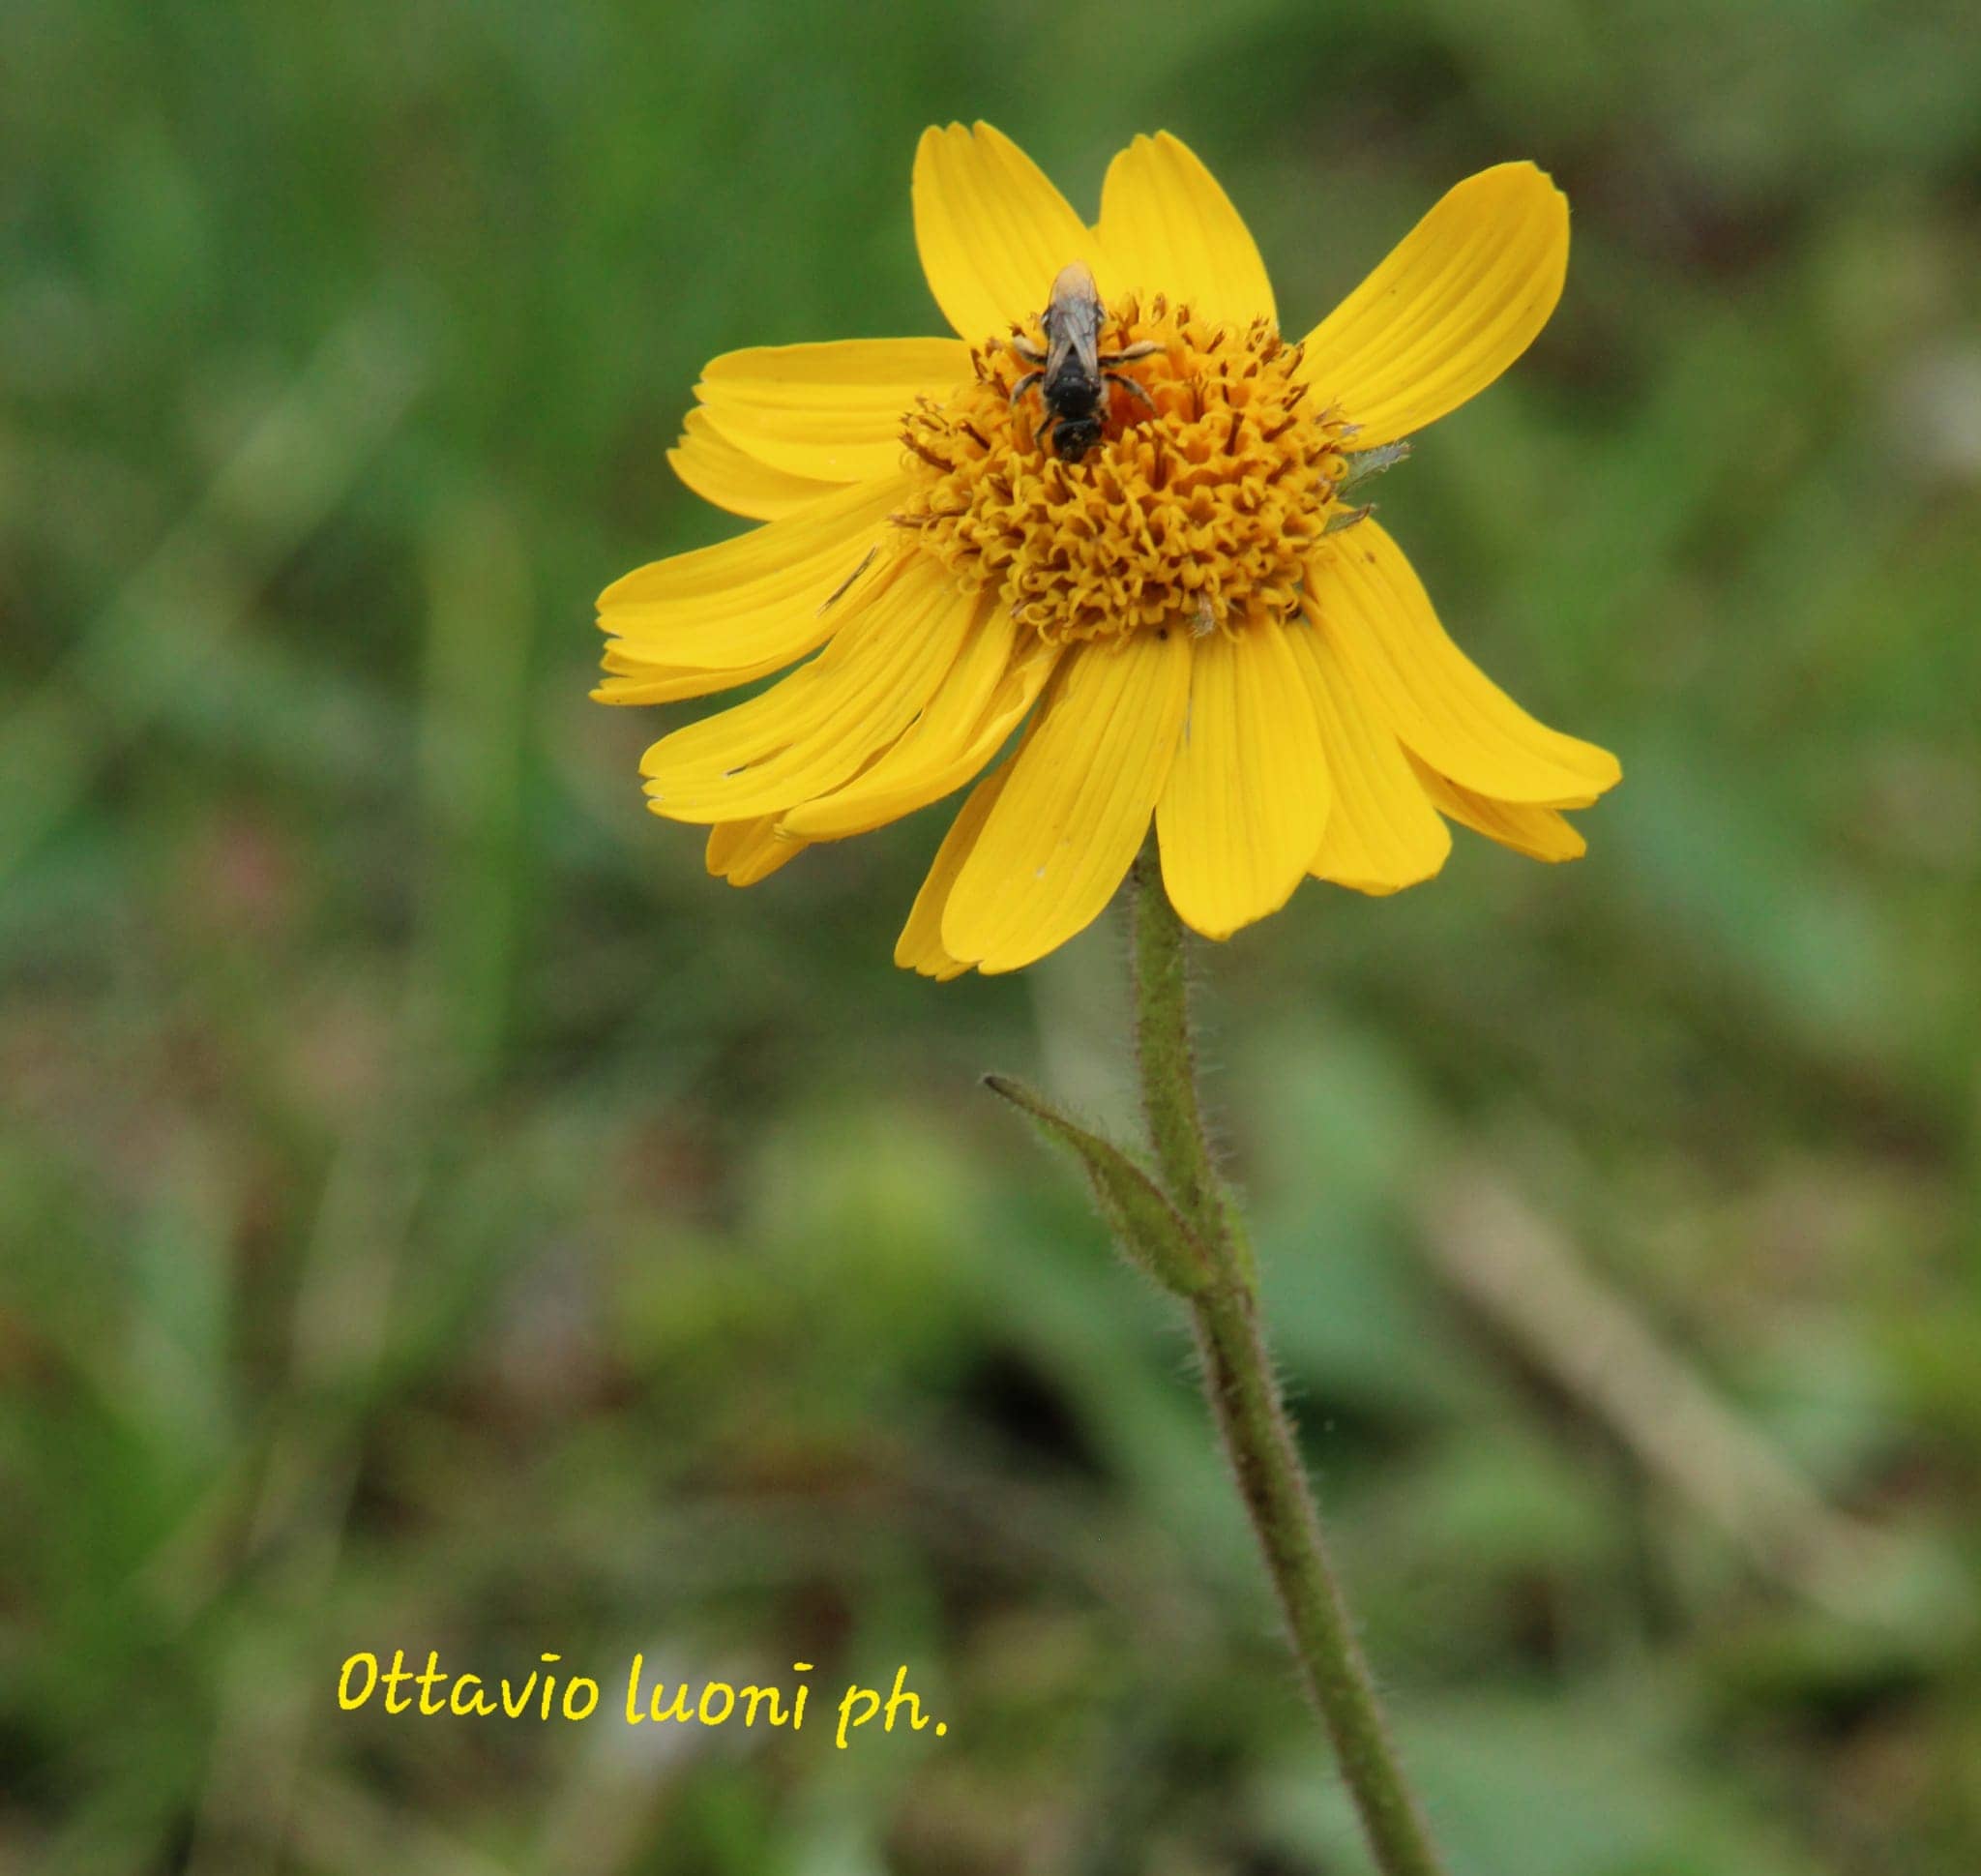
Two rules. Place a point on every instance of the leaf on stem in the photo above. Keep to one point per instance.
(1153, 1235)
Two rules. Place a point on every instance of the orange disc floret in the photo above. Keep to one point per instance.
(1199, 507)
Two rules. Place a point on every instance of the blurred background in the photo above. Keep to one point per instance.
(434, 1214)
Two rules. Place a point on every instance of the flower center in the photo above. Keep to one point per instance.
(1199, 506)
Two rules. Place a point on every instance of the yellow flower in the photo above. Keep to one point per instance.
(1192, 620)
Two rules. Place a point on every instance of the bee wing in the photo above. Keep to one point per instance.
(1076, 338)
(1073, 322)
(1083, 336)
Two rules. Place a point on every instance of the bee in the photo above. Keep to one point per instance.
(1073, 372)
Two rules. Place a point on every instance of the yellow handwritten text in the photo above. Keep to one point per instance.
(360, 1678)
(542, 1694)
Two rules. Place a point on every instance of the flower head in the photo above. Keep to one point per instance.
(1175, 605)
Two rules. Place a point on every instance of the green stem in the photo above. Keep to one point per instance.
(1246, 1405)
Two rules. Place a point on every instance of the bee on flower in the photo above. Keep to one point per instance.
(1109, 518)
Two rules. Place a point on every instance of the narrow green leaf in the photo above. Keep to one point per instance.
(1151, 1232)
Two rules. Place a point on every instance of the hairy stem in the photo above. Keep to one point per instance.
(1246, 1405)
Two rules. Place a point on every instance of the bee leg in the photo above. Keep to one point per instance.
(1039, 434)
(1024, 384)
(1148, 349)
(1139, 391)
(1026, 350)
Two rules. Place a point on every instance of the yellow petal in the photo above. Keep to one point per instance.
(797, 542)
(832, 411)
(631, 679)
(815, 444)
(812, 730)
(865, 378)
(1540, 833)
(731, 478)
(744, 851)
(643, 667)
(1455, 302)
(919, 944)
(1369, 603)
(1169, 228)
(1242, 812)
(984, 697)
(991, 230)
(1083, 786)
(757, 602)
(1383, 833)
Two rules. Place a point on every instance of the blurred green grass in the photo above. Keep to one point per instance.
(433, 1213)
